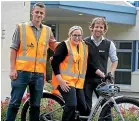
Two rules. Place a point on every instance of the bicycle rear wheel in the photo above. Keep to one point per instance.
(51, 108)
(129, 109)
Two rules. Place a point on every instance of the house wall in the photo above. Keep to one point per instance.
(12, 13)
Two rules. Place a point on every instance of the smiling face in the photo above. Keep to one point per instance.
(98, 30)
(38, 14)
(76, 37)
(98, 27)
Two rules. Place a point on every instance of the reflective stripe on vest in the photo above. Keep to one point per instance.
(67, 71)
(26, 58)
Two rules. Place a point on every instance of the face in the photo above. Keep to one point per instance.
(76, 36)
(98, 30)
(38, 14)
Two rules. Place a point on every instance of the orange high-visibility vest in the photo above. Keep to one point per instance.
(73, 68)
(32, 53)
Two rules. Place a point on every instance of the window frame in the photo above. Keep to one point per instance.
(136, 57)
(125, 51)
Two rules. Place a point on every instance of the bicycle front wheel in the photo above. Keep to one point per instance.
(51, 108)
(129, 108)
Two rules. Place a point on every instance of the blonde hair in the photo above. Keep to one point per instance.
(99, 20)
(75, 28)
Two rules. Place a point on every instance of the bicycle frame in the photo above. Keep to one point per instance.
(96, 109)
(112, 99)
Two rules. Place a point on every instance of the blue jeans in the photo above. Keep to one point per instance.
(35, 81)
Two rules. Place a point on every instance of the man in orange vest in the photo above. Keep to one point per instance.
(28, 62)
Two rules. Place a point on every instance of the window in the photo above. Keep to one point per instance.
(137, 55)
(123, 45)
(125, 60)
(122, 77)
(123, 71)
(138, 60)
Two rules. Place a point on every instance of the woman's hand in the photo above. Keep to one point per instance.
(64, 85)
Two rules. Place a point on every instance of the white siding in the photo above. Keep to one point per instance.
(135, 81)
(124, 32)
(12, 13)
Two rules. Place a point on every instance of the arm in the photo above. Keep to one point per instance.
(13, 54)
(60, 54)
(113, 57)
(113, 66)
(100, 73)
(52, 42)
(58, 57)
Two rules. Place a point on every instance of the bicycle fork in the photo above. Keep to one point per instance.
(117, 109)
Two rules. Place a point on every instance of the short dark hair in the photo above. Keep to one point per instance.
(39, 4)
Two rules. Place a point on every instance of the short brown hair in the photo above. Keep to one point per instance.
(39, 4)
(99, 20)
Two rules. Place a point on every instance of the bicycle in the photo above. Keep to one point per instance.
(122, 108)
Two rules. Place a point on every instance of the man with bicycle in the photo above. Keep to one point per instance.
(104, 49)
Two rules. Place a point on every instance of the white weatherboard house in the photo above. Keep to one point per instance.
(123, 21)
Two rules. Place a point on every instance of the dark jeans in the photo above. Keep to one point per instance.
(35, 82)
(89, 88)
(74, 100)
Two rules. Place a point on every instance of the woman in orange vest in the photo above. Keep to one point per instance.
(69, 65)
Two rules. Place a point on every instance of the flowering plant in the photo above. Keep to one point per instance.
(4, 106)
(130, 113)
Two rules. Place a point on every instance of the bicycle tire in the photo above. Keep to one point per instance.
(25, 108)
(126, 113)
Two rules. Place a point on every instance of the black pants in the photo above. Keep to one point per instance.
(74, 100)
(89, 88)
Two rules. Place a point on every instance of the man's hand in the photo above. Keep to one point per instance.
(51, 58)
(109, 77)
(13, 74)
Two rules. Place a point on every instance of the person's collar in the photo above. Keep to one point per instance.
(92, 38)
(31, 24)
